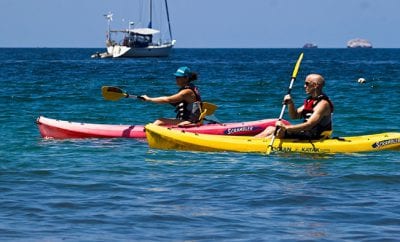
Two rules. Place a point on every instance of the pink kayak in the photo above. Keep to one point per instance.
(59, 129)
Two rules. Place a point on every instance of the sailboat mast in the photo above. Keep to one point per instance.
(151, 14)
(169, 24)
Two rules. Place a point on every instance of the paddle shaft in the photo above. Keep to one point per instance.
(284, 104)
(295, 71)
(115, 93)
(133, 96)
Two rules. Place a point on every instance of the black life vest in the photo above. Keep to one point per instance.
(189, 111)
(325, 124)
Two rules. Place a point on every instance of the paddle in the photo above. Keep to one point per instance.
(112, 93)
(115, 93)
(210, 107)
(296, 69)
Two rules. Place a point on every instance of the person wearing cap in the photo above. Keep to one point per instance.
(187, 101)
(316, 112)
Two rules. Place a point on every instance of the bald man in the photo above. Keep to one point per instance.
(316, 112)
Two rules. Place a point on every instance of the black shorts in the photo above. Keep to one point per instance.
(302, 135)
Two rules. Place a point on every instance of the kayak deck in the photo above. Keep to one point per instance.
(165, 138)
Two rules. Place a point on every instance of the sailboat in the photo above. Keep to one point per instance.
(140, 42)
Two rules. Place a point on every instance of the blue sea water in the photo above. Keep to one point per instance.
(120, 190)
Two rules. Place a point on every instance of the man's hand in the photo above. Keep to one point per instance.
(145, 98)
(280, 129)
(287, 99)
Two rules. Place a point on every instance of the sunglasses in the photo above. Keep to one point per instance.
(180, 77)
(308, 83)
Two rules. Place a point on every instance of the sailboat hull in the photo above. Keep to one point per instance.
(120, 51)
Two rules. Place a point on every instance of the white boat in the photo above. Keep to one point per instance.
(310, 46)
(140, 41)
(359, 43)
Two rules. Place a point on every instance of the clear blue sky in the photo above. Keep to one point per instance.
(207, 23)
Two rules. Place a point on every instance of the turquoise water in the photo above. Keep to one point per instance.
(120, 190)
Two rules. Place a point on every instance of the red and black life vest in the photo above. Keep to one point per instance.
(325, 124)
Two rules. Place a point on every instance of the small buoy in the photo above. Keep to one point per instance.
(361, 80)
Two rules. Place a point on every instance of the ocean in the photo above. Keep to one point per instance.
(120, 190)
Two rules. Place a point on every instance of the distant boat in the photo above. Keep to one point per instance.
(359, 43)
(139, 42)
(310, 46)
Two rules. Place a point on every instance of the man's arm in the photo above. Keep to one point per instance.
(322, 109)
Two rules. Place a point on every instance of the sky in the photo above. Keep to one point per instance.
(206, 23)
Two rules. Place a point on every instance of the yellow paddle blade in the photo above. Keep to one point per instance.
(112, 93)
(297, 66)
(209, 107)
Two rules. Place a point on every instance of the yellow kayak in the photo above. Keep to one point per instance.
(166, 138)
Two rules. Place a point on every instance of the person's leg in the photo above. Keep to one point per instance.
(167, 121)
(269, 131)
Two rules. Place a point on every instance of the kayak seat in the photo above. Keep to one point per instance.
(202, 116)
(326, 134)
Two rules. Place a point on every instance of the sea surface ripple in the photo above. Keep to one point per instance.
(120, 190)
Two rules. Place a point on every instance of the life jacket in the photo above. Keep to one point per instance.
(189, 111)
(325, 124)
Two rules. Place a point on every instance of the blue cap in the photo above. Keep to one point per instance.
(183, 71)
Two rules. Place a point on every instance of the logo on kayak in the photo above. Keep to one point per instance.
(310, 150)
(236, 130)
(282, 149)
(382, 143)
